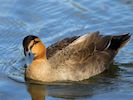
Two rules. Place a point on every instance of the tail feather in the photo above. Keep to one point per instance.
(119, 41)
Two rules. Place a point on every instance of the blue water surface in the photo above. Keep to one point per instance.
(53, 20)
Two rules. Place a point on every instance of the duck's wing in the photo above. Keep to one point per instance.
(54, 48)
(94, 45)
(91, 47)
(81, 49)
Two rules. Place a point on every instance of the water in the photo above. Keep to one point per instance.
(53, 20)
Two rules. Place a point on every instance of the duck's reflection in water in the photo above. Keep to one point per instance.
(37, 92)
(76, 90)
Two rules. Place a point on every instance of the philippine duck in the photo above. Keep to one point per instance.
(72, 59)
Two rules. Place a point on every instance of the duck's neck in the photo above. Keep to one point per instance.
(41, 60)
(39, 70)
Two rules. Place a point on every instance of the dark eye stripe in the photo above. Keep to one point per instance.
(35, 42)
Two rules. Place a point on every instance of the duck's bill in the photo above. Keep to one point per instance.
(29, 57)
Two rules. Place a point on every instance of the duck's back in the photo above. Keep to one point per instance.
(86, 56)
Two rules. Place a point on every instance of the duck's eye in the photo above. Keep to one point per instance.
(35, 42)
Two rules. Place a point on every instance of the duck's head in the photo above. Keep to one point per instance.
(33, 45)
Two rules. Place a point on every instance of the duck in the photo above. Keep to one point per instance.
(72, 59)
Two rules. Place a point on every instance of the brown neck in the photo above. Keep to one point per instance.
(41, 56)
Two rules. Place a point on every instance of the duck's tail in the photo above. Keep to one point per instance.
(119, 41)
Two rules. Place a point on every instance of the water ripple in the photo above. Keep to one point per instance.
(53, 20)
